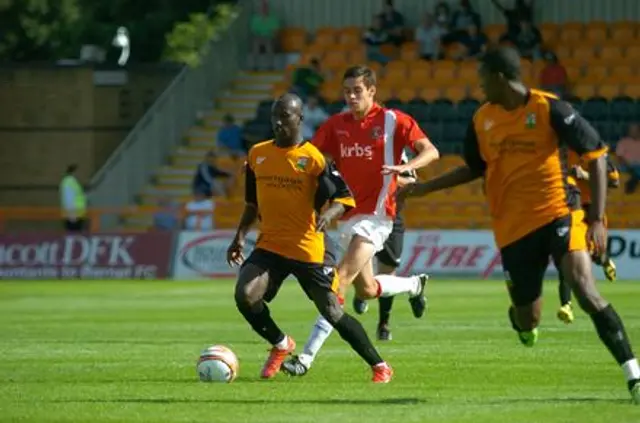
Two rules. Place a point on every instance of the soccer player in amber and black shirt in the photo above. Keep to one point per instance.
(580, 176)
(288, 181)
(516, 141)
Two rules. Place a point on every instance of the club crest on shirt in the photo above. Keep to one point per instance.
(531, 121)
(376, 132)
(301, 164)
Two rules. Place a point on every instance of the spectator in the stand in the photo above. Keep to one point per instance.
(553, 76)
(521, 10)
(428, 36)
(73, 201)
(167, 216)
(527, 40)
(230, 137)
(628, 152)
(374, 38)
(474, 41)
(307, 80)
(208, 177)
(392, 23)
(314, 116)
(199, 212)
(264, 27)
(463, 17)
(442, 14)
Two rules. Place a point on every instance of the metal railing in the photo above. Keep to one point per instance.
(163, 126)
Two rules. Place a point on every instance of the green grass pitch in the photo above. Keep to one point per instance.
(126, 351)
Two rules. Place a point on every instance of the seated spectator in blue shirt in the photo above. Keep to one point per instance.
(230, 137)
(206, 178)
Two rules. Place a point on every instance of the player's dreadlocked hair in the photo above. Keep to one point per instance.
(504, 60)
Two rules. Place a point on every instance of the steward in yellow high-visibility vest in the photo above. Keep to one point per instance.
(73, 201)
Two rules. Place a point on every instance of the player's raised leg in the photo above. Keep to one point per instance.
(356, 265)
(318, 287)
(252, 287)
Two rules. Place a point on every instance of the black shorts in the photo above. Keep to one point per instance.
(391, 253)
(525, 261)
(312, 277)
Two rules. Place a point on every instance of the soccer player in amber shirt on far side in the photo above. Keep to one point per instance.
(516, 141)
(366, 142)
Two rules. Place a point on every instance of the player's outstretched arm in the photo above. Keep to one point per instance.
(473, 169)
(332, 188)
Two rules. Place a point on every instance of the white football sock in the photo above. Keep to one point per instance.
(631, 369)
(284, 344)
(391, 285)
(319, 334)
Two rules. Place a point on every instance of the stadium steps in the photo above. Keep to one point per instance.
(173, 180)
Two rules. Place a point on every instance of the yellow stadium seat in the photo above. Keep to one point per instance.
(455, 93)
(397, 66)
(430, 93)
(358, 55)
(632, 91)
(623, 33)
(468, 74)
(326, 36)
(596, 74)
(584, 53)
(350, 36)
(331, 90)
(574, 73)
(633, 53)
(549, 35)
(384, 93)
(563, 52)
(334, 59)
(584, 91)
(595, 36)
(293, 39)
(611, 53)
(409, 51)
(405, 94)
(609, 90)
(476, 93)
(571, 34)
(622, 71)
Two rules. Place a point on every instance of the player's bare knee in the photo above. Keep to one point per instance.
(367, 291)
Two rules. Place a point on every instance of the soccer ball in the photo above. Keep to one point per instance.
(217, 364)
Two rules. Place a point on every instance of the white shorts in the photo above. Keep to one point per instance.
(374, 228)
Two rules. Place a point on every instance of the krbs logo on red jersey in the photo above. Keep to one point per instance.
(356, 150)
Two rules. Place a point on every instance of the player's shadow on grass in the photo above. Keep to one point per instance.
(338, 401)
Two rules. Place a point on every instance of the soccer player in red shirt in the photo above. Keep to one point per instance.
(366, 142)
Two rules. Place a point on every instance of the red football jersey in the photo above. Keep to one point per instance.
(360, 147)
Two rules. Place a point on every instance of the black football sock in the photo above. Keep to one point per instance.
(612, 333)
(564, 290)
(259, 317)
(352, 331)
(385, 305)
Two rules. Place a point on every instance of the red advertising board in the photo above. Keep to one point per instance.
(85, 256)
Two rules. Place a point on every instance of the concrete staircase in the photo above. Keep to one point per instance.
(173, 180)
